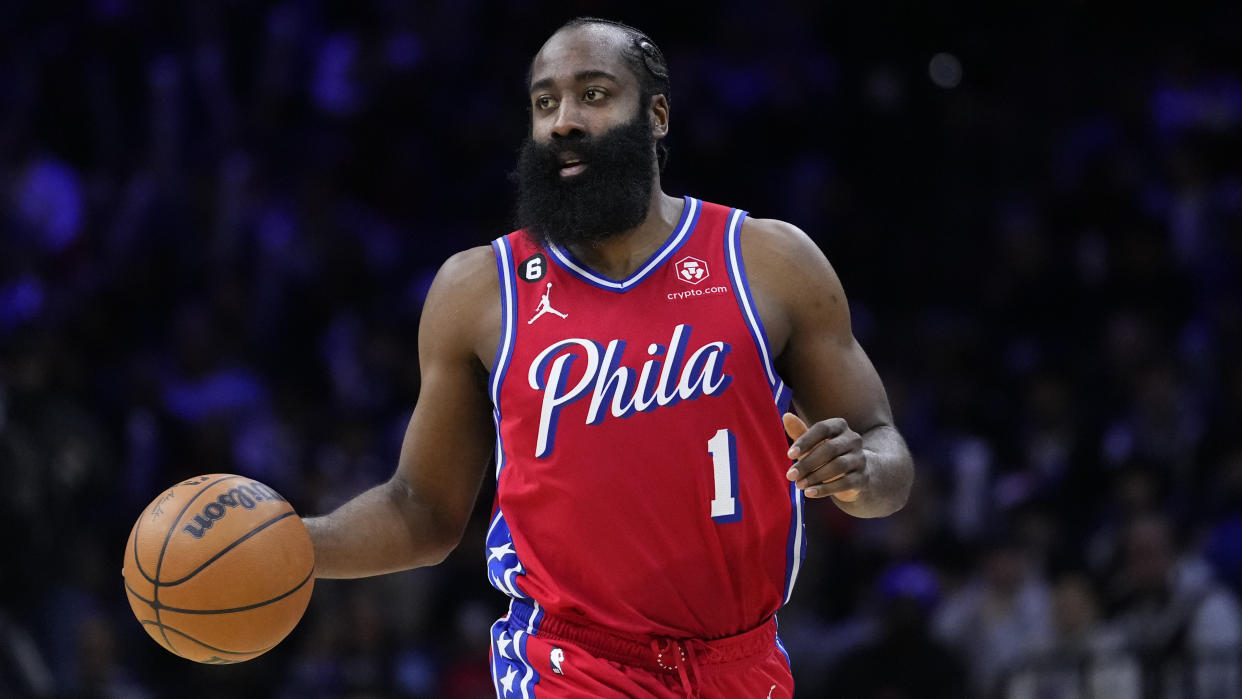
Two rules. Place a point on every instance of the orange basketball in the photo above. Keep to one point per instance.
(219, 568)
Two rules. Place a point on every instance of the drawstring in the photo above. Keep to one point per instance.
(694, 663)
(677, 653)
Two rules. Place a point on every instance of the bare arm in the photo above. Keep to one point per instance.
(417, 517)
(851, 451)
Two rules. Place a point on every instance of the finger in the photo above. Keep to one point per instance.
(824, 453)
(794, 426)
(796, 429)
(849, 495)
(845, 487)
(844, 494)
(832, 469)
(806, 438)
(822, 490)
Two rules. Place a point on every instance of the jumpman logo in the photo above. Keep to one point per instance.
(546, 307)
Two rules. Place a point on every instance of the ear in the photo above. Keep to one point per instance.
(659, 116)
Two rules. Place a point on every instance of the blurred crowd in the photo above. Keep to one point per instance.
(218, 222)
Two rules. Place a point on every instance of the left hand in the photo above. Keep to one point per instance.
(830, 458)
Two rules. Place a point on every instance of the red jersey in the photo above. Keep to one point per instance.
(640, 453)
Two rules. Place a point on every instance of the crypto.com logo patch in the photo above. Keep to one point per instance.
(692, 270)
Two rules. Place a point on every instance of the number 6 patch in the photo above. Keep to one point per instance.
(533, 268)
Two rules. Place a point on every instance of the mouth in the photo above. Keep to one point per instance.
(572, 165)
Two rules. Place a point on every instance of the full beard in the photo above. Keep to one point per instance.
(610, 196)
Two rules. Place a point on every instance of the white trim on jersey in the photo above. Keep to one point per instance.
(798, 541)
(534, 617)
(733, 252)
(508, 324)
(688, 218)
(796, 544)
(508, 293)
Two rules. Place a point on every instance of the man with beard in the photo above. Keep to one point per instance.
(622, 356)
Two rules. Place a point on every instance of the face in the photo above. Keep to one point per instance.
(587, 171)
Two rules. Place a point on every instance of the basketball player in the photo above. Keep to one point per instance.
(627, 357)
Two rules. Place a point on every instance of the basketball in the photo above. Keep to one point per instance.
(219, 569)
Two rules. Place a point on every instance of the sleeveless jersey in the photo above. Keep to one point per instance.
(640, 455)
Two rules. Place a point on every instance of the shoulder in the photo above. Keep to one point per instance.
(461, 307)
(793, 285)
(783, 261)
(775, 233)
(468, 268)
(781, 250)
(464, 279)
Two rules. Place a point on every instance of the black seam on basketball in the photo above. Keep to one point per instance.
(138, 563)
(158, 606)
(230, 547)
(150, 602)
(163, 627)
(168, 537)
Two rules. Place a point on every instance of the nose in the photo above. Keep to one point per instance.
(568, 119)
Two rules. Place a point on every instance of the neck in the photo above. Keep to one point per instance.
(618, 256)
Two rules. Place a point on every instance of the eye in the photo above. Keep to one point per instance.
(543, 102)
(593, 94)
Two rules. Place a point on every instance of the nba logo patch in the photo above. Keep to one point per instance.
(691, 270)
(557, 657)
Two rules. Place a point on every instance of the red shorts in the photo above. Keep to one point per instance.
(535, 655)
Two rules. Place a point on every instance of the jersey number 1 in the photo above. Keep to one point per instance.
(723, 448)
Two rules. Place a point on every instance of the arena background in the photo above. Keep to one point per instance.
(219, 221)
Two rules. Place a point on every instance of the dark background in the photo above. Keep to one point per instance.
(219, 219)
